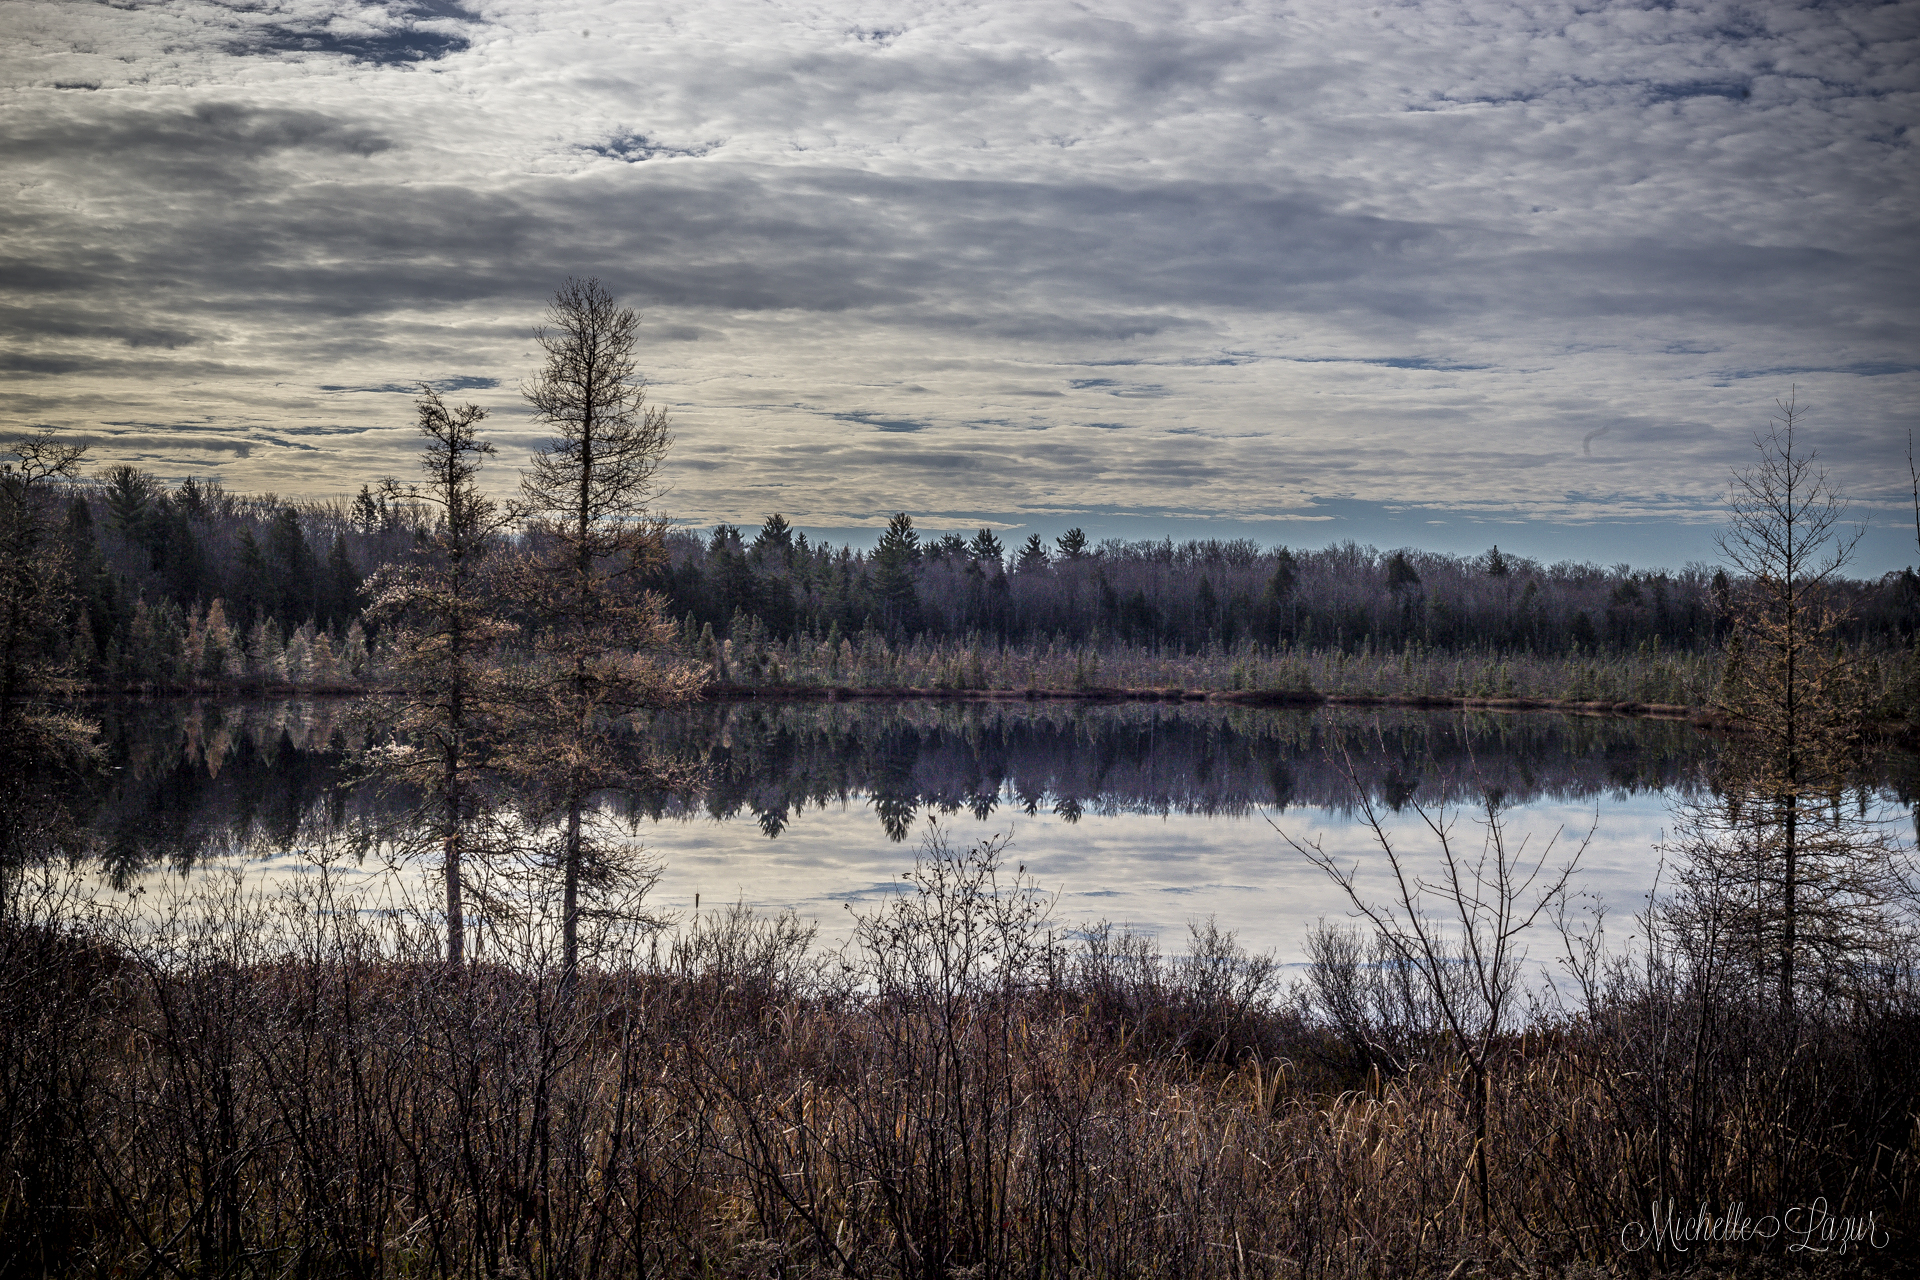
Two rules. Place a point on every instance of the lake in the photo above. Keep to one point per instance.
(1149, 815)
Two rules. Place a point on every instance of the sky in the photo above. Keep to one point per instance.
(1421, 274)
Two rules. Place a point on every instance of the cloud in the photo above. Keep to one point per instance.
(1297, 252)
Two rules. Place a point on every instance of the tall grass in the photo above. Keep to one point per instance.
(292, 1085)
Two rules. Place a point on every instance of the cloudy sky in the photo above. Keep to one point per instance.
(1437, 274)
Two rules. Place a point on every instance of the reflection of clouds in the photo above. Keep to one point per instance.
(1283, 224)
(1152, 873)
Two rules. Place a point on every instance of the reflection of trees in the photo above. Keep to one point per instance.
(775, 761)
(190, 778)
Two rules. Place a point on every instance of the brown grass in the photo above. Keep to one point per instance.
(291, 1091)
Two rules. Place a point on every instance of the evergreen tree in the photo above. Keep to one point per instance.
(730, 573)
(1276, 601)
(173, 549)
(1033, 555)
(366, 512)
(1401, 575)
(895, 560)
(775, 540)
(97, 595)
(1803, 886)
(986, 547)
(1072, 545)
(292, 571)
(253, 590)
(128, 492)
(343, 585)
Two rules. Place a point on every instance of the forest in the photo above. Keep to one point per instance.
(191, 585)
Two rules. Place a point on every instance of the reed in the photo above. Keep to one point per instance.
(293, 1085)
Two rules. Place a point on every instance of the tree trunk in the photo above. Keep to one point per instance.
(456, 924)
(570, 900)
(1789, 924)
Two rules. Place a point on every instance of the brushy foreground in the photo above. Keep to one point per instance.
(292, 1087)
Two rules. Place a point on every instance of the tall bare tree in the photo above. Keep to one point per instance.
(33, 575)
(591, 538)
(446, 631)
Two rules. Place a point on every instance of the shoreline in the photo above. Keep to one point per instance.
(1100, 694)
(1229, 697)
(1702, 716)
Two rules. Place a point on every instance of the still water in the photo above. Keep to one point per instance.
(1146, 815)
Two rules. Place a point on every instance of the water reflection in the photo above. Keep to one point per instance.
(189, 780)
(775, 762)
(1146, 814)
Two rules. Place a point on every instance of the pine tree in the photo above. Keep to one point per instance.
(343, 586)
(292, 569)
(128, 492)
(986, 547)
(366, 514)
(775, 539)
(894, 562)
(1276, 602)
(253, 590)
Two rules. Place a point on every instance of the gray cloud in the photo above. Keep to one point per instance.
(1400, 254)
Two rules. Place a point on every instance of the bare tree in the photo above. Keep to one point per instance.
(33, 575)
(1463, 964)
(591, 537)
(447, 629)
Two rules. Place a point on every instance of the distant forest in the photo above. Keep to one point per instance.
(193, 583)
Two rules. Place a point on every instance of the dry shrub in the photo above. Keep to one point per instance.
(300, 1089)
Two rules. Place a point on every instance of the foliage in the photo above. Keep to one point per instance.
(293, 1084)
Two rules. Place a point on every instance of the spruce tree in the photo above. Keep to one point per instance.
(986, 547)
(894, 562)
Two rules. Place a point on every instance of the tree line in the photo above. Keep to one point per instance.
(1209, 592)
(191, 584)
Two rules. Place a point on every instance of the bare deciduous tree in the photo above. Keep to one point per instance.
(34, 587)
(1463, 963)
